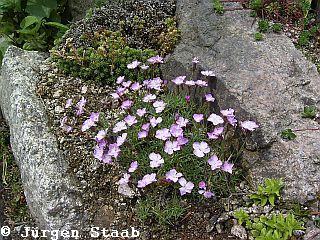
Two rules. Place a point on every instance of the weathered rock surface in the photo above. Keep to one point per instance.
(50, 191)
(268, 81)
(78, 8)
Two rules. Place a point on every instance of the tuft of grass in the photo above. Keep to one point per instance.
(263, 26)
(309, 112)
(217, 6)
(258, 36)
(276, 27)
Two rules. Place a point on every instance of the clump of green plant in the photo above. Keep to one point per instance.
(166, 212)
(288, 134)
(168, 38)
(30, 24)
(217, 6)
(168, 144)
(273, 227)
(263, 25)
(309, 112)
(104, 61)
(268, 192)
(258, 36)
(276, 27)
(278, 227)
(256, 4)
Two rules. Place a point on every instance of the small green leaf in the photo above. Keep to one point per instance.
(288, 134)
(60, 26)
(271, 200)
(309, 112)
(30, 25)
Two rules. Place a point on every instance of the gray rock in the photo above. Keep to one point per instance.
(239, 231)
(268, 81)
(78, 8)
(312, 234)
(50, 191)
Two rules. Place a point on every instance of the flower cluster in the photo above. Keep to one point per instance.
(158, 134)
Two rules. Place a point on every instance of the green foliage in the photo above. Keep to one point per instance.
(30, 24)
(267, 192)
(106, 60)
(258, 36)
(242, 216)
(278, 227)
(256, 4)
(276, 27)
(217, 6)
(166, 212)
(309, 112)
(169, 38)
(305, 6)
(288, 134)
(263, 25)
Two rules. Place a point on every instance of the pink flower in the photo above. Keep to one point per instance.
(215, 119)
(202, 185)
(87, 124)
(171, 147)
(146, 180)
(133, 65)
(186, 187)
(119, 126)
(146, 126)
(121, 139)
(200, 149)
(121, 90)
(133, 167)
(80, 106)
(182, 140)
(209, 97)
(106, 159)
(187, 97)
(126, 104)
(142, 134)
(249, 125)
(156, 160)
(208, 73)
(114, 150)
(179, 80)
(182, 122)
(176, 130)
(206, 194)
(159, 106)
(101, 143)
(190, 83)
(101, 135)
(155, 121)
(201, 83)
(163, 134)
(214, 162)
(98, 152)
(227, 167)
(155, 59)
(126, 84)
(68, 103)
(141, 112)
(120, 79)
(130, 120)
(135, 86)
(94, 117)
(216, 133)
(124, 179)
(227, 112)
(115, 95)
(154, 83)
(144, 67)
(232, 120)
(173, 175)
(198, 117)
(149, 98)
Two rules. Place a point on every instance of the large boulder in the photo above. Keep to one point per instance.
(50, 191)
(268, 81)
